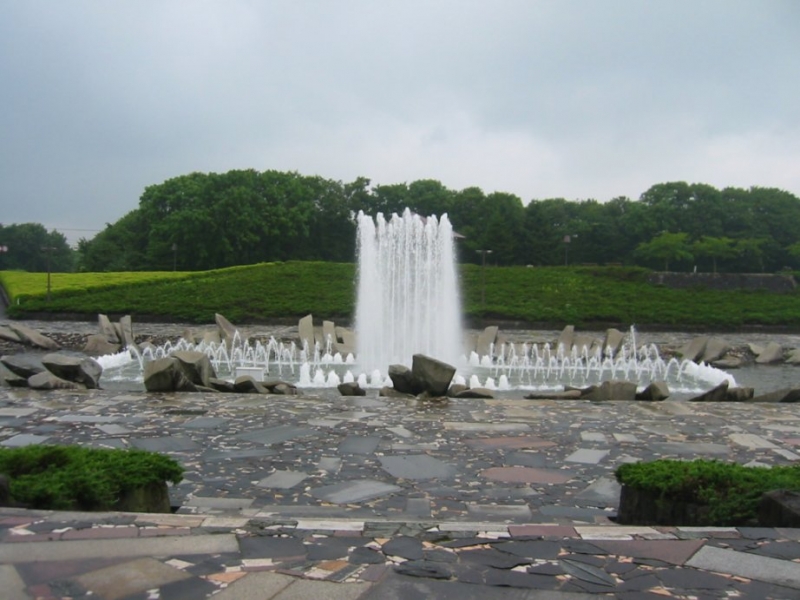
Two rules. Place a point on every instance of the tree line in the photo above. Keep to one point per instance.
(208, 220)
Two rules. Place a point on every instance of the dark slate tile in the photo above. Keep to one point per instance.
(424, 568)
(276, 435)
(330, 548)
(569, 512)
(588, 573)
(492, 558)
(550, 569)
(358, 444)
(516, 579)
(417, 466)
(187, 589)
(404, 546)
(526, 459)
(439, 555)
(366, 556)
(759, 533)
(271, 547)
(581, 547)
(216, 455)
(348, 492)
(782, 550)
(645, 582)
(205, 423)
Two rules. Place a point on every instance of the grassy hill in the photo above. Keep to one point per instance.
(264, 292)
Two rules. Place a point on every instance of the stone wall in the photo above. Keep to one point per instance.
(780, 284)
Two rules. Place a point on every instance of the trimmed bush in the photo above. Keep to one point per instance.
(716, 493)
(78, 478)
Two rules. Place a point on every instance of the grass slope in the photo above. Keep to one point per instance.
(557, 295)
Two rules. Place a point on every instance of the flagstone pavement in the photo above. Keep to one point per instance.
(319, 496)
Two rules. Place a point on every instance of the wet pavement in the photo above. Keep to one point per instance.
(329, 497)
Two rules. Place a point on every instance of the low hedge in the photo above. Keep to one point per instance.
(78, 478)
(727, 493)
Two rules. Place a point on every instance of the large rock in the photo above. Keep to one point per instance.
(166, 375)
(196, 366)
(784, 395)
(565, 339)
(656, 391)
(715, 349)
(48, 381)
(434, 375)
(715, 394)
(794, 357)
(611, 390)
(98, 345)
(32, 337)
(74, 368)
(126, 328)
(565, 395)
(581, 343)
(10, 336)
(280, 387)
(351, 388)
(245, 384)
(771, 354)
(329, 336)
(390, 392)
(475, 393)
(346, 341)
(740, 394)
(694, 349)
(107, 329)
(403, 380)
(226, 328)
(485, 341)
(23, 365)
(613, 341)
(728, 362)
(305, 328)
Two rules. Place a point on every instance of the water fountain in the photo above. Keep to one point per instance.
(408, 302)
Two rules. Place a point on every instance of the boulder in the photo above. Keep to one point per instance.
(211, 337)
(351, 388)
(434, 375)
(582, 342)
(329, 335)
(612, 390)
(771, 354)
(784, 395)
(794, 357)
(715, 394)
(390, 392)
(245, 384)
(107, 329)
(565, 395)
(8, 335)
(728, 362)
(305, 328)
(98, 345)
(32, 337)
(166, 375)
(221, 385)
(694, 349)
(715, 349)
(47, 381)
(656, 391)
(779, 508)
(485, 340)
(454, 389)
(283, 389)
(614, 339)
(756, 349)
(196, 366)
(403, 380)
(126, 327)
(475, 393)
(226, 329)
(346, 341)
(565, 339)
(23, 365)
(74, 368)
(740, 394)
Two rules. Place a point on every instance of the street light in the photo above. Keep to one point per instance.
(483, 278)
(174, 257)
(48, 250)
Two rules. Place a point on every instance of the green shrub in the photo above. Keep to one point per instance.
(731, 491)
(78, 478)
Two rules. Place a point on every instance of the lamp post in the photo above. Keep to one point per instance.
(174, 257)
(483, 277)
(47, 251)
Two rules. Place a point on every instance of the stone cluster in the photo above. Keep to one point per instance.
(54, 371)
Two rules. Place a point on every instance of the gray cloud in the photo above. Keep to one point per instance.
(577, 99)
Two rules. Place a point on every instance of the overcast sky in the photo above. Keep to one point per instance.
(569, 98)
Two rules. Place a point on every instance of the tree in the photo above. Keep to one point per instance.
(32, 248)
(666, 246)
(715, 248)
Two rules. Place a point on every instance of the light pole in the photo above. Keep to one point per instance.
(47, 251)
(174, 257)
(483, 278)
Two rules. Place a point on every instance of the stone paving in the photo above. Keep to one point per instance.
(329, 497)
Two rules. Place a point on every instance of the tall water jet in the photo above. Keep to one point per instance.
(408, 300)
